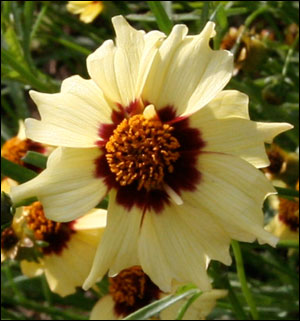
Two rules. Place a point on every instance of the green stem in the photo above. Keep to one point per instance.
(242, 277)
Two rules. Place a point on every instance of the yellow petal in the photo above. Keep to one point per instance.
(232, 191)
(121, 70)
(168, 251)
(91, 12)
(31, 269)
(69, 173)
(104, 309)
(81, 108)
(118, 247)
(281, 230)
(68, 270)
(95, 218)
(186, 73)
(226, 129)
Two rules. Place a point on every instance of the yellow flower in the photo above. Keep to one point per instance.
(68, 252)
(154, 128)
(88, 10)
(285, 224)
(132, 289)
(16, 148)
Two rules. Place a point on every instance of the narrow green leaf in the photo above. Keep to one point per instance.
(187, 304)
(204, 14)
(37, 159)
(288, 244)
(286, 192)
(16, 172)
(8, 58)
(157, 306)
(163, 21)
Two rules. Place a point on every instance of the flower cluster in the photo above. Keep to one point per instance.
(177, 155)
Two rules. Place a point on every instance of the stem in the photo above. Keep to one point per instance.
(242, 277)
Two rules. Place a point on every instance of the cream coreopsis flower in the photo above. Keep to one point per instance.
(88, 10)
(67, 256)
(176, 153)
(132, 289)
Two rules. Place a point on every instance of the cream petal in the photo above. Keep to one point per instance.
(121, 70)
(95, 218)
(104, 309)
(232, 191)
(118, 247)
(67, 271)
(205, 231)
(186, 73)
(31, 269)
(71, 118)
(168, 251)
(235, 135)
(68, 187)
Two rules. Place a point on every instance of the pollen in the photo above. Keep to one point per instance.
(15, 149)
(132, 289)
(55, 234)
(142, 151)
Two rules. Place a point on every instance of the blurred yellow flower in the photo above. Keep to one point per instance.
(285, 224)
(16, 148)
(154, 128)
(66, 245)
(132, 289)
(88, 10)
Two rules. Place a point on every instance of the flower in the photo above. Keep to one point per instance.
(67, 251)
(88, 10)
(176, 153)
(132, 289)
(16, 148)
(285, 224)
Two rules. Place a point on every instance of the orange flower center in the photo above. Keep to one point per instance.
(141, 150)
(8, 239)
(54, 233)
(132, 289)
(289, 213)
(15, 149)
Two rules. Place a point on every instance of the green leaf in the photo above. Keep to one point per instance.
(16, 172)
(163, 21)
(9, 59)
(187, 304)
(36, 159)
(204, 14)
(286, 192)
(157, 306)
(289, 244)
